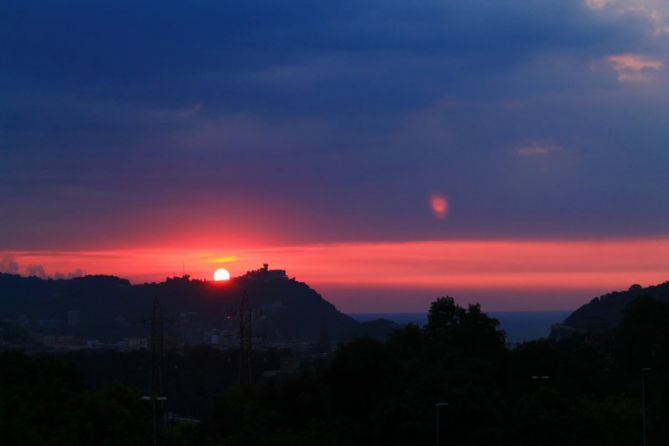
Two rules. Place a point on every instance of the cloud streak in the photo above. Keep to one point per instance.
(656, 12)
(533, 150)
(634, 67)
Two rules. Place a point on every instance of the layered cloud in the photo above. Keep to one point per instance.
(656, 12)
(288, 122)
(634, 67)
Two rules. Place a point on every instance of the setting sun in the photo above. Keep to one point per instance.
(221, 274)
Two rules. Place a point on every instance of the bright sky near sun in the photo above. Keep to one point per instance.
(504, 275)
(384, 152)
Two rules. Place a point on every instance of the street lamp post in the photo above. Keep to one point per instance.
(538, 377)
(437, 407)
(643, 404)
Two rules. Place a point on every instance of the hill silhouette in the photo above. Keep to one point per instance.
(110, 308)
(606, 312)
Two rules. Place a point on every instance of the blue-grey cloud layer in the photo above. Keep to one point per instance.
(325, 120)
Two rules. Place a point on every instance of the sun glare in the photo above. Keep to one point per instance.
(221, 274)
(439, 205)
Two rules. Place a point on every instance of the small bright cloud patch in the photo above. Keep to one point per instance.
(439, 205)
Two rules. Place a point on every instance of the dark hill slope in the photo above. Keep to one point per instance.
(606, 312)
(112, 308)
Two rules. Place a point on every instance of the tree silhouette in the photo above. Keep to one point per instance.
(456, 331)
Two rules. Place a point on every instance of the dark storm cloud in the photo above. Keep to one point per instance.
(350, 114)
(233, 53)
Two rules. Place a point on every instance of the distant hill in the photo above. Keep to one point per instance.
(606, 312)
(109, 308)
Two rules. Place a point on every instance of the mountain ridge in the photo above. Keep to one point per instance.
(605, 312)
(109, 307)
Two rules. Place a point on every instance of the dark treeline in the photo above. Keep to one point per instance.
(577, 391)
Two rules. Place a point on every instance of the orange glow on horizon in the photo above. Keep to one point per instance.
(503, 266)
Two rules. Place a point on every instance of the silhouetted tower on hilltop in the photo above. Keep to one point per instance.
(155, 396)
(245, 339)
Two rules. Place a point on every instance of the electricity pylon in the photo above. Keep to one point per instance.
(156, 397)
(245, 340)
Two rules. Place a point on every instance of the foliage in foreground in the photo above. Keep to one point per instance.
(579, 391)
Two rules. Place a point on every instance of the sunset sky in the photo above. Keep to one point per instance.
(386, 152)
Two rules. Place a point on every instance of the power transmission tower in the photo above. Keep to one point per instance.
(245, 340)
(156, 397)
(324, 346)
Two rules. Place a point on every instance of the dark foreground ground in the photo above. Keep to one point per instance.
(578, 391)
